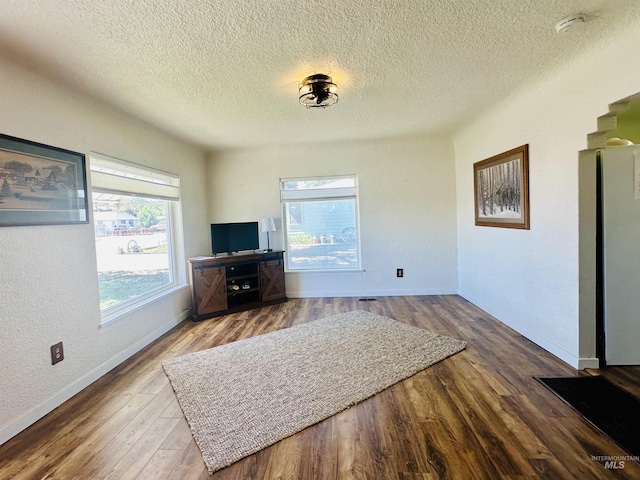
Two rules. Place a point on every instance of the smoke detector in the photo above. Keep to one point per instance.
(570, 23)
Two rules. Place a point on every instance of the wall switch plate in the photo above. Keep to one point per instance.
(57, 353)
(399, 272)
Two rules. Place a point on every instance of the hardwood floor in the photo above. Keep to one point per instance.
(477, 415)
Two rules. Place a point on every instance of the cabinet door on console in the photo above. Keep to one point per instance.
(210, 290)
(272, 280)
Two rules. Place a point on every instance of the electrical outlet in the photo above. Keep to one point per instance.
(57, 353)
(399, 272)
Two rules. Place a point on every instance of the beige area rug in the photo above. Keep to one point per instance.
(244, 396)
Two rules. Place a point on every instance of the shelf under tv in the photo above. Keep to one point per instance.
(212, 280)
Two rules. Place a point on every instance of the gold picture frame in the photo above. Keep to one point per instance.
(501, 190)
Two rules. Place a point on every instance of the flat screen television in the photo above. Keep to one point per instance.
(234, 237)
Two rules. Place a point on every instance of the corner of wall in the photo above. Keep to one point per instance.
(587, 245)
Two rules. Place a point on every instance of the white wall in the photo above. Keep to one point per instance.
(407, 209)
(534, 280)
(48, 273)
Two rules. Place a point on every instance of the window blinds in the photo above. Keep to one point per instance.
(301, 189)
(111, 175)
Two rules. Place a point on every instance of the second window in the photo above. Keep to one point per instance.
(321, 223)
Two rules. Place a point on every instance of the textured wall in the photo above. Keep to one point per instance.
(407, 209)
(531, 279)
(48, 273)
(628, 124)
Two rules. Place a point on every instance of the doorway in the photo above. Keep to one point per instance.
(617, 219)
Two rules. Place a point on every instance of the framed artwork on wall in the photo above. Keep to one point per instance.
(40, 184)
(501, 189)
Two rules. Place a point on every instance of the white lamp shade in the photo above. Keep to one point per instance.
(267, 225)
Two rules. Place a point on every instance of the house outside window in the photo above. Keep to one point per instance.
(321, 223)
(133, 210)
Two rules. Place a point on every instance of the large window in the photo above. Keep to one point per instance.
(321, 223)
(133, 214)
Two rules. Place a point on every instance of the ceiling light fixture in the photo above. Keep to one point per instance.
(318, 91)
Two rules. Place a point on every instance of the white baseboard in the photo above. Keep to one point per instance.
(58, 399)
(367, 294)
(586, 362)
(576, 362)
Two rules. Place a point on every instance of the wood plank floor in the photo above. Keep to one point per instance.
(477, 415)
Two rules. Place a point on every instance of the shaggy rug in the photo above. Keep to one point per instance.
(244, 396)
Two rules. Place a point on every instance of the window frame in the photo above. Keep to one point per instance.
(120, 177)
(318, 195)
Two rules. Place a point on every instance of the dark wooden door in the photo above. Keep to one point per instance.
(210, 290)
(272, 280)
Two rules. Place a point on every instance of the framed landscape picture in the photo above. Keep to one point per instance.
(41, 185)
(501, 189)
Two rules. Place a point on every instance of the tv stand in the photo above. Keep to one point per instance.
(221, 285)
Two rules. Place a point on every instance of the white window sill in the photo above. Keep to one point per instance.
(110, 318)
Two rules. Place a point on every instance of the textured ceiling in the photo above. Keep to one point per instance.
(225, 73)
